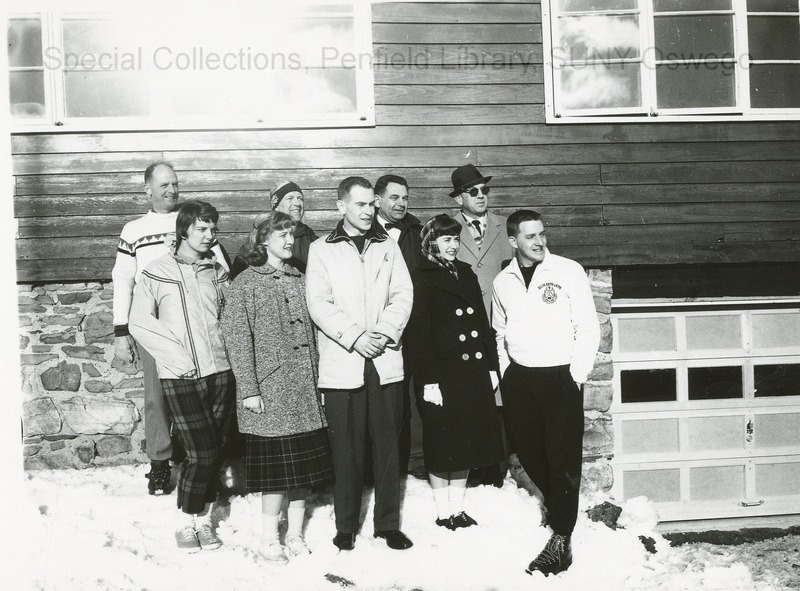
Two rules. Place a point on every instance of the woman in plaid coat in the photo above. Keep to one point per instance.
(271, 348)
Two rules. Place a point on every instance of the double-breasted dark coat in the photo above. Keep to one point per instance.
(450, 343)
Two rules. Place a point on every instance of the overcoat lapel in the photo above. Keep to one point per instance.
(443, 280)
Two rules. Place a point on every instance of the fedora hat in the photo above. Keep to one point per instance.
(465, 177)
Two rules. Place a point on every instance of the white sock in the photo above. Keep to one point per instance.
(442, 498)
(297, 516)
(183, 520)
(457, 494)
(204, 517)
(269, 529)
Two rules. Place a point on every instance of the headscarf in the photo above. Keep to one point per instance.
(430, 249)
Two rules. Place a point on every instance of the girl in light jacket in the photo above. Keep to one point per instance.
(270, 342)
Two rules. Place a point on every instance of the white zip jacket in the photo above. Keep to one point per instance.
(552, 322)
(349, 293)
(175, 316)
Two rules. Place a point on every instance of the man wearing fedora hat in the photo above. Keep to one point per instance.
(482, 243)
(483, 247)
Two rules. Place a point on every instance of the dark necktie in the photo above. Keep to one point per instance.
(479, 229)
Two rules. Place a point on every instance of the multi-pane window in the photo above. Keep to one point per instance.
(306, 65)
(671, 59)
(707, 406)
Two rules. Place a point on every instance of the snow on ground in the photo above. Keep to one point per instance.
(98, 529)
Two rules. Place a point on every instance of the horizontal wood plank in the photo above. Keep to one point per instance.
(688, 213)
(320, 158)
(446, 12)
(467, 56)
(509, 73)
(703, 172)
(451, 33)
(259, 180)
(627, 153)
(458, 94)
(92, 162)
(422, 198)
(458, 114)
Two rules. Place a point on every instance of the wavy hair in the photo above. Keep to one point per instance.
(253, 251)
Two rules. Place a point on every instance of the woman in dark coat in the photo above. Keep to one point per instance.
(453, 359)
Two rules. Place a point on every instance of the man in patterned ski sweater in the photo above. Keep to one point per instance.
(142, 241)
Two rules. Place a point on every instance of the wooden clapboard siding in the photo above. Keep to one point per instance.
(455, 82)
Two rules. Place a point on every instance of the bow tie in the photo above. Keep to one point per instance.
(391, 226)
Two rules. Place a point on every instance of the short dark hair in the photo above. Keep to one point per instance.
(148, 172)
(253, 251)
(352, 181)
(444, 225)
(383, 182)
(516, 219)
(191, 211)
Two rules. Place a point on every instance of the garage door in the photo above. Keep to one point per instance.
(707, 406)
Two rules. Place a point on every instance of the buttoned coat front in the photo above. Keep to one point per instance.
(450, 343)
(270, 341)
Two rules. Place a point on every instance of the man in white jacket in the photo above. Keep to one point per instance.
(547, 337)
(360, 295)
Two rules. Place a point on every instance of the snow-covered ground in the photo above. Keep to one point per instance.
(98, 529)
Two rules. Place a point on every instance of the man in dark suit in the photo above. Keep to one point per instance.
(391, 203)
(484, 246)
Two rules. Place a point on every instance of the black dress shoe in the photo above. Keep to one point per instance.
(420, 473)
(447, 522)
(395, 539)
(344, 541)
(462, 520)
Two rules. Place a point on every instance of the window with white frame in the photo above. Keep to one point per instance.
(209, 68)
(668, 60)
(707, 405)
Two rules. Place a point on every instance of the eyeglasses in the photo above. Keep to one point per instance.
(473, 192)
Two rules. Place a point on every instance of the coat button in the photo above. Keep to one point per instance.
(459, 312)
(470, 311)
(462, 337)
(480, 265)
(465, 357)
(478, 355)
(474, 334)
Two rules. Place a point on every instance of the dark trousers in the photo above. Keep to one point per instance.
(201, 411)
(351, 414)
(546, 411)
(411, 456)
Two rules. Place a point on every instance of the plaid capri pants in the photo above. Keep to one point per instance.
(201, 411)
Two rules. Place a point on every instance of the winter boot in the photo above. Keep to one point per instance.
(556, 557)
(159, 476)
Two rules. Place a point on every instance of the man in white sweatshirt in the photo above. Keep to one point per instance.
(547, 337)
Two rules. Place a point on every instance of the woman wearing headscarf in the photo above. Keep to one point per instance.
(453, 359)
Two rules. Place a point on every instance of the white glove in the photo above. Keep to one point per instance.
(495, 379)
(432, 394)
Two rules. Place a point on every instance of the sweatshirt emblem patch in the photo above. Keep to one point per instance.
(549, 293)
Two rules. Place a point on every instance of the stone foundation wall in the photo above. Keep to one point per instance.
(82, 408)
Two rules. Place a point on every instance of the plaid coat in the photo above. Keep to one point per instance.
(271, 348)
